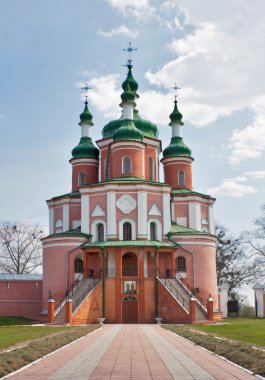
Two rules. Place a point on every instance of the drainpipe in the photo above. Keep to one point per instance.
(102, 251)
(155, 283)
(192, 254)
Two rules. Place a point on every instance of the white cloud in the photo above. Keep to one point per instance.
(231, 188)
(121, 30)
(104, 94)
(249, 142)
(140, 9)
(258, 174)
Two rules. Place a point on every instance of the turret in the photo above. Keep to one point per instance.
(85, 154)
(177, 158)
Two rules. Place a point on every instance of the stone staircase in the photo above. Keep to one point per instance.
(77, 295)
(182, 294)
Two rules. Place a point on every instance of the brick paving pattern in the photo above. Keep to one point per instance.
(121, 352)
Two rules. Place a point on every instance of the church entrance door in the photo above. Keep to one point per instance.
(130, 309)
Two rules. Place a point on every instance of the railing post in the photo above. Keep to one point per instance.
(68, 310)
(210, 308)
(192, 306)
(51, 306)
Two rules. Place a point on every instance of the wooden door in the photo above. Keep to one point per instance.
(130, 310)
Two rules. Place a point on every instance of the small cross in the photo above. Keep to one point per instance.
(86, 88)
(129, 49)
(175, 88)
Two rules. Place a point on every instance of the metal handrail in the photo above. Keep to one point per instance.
(75, 286)
(177, 294)
(91, 285)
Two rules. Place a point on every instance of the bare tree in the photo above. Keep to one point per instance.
(20, 247)
(233, 264)
(256, 239)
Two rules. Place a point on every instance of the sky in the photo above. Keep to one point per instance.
(213, 50)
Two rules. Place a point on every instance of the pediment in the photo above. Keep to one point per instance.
(154, 210)
(98, 211)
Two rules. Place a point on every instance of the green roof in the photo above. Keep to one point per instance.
(86, 116)
(188, 192)
(85, 149)
(129, 179)
(72, 194)
(178, 229)
(175, 116)
(130, 243)
(131, 82)
(127, 96)
(76, 232)
(148, 128)
(127, 131)
(176, 148)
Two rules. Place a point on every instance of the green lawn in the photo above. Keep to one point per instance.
(10, 321)
(242, 329)
(12, 335)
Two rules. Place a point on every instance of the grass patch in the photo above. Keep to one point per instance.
(242, 329)
(11, 321)
(239, 352)
(11, 361)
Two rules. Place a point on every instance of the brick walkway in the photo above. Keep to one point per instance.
(120, 352)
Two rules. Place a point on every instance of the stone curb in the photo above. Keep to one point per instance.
(219, 356)
(45, 356)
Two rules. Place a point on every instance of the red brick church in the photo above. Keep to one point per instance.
(125, 244)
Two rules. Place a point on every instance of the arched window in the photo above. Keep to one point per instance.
(81, 179)
(151, 169)
(100, 232)
(106, 169)
(126, 165)
(181, 264)
(78, 265)
(129, 264)
(127, 231)
(58, 226)
(181, 179)
(153, 234)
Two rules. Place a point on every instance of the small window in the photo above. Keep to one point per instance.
(126, 165)
(78, 265)
(151, 169)
(106, 169)
(153, 231)
(205, 229)
(181, 264)
(181, 179)
(81, 179)
(100, 232)
(59, 226)
(127, 231)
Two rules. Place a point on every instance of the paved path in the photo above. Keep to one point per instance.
(121, 352)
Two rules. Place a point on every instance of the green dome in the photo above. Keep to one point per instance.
(176, 148)
(175, 116)
(147, 128)
(128, 131)
(131, 81)
(127, 96)
(86, 116)
(85, 149)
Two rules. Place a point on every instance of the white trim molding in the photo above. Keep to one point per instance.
(94, 228)
(158, 228)
(133, 224)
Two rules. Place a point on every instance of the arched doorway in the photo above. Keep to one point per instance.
(130, 309)
(129, 264)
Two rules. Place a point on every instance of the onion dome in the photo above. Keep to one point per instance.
(131, 81)
(127, 96)
(175, 115)
(127, 131)
(176, 148)
(85, 149)
(86, 116)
